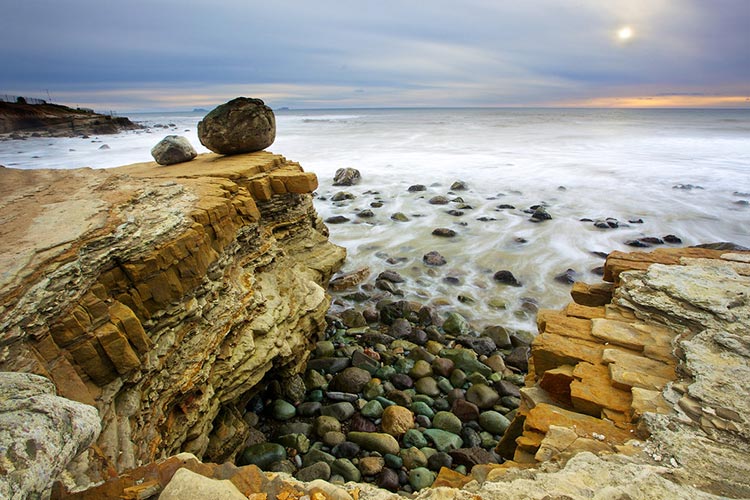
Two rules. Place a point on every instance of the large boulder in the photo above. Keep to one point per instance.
(242, 125)
(40, 433)
(346, 177)
(173, 149)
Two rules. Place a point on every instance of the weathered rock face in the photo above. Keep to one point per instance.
(662, 356)
(173, 149)
(40, 433)
(162, 295)
(242, 125)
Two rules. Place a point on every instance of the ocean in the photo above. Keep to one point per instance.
(673, 172)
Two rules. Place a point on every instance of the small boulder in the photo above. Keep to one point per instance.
(346, 177)
(242, 125)
(173, 149)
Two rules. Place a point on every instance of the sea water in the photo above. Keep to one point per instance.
(681, 172)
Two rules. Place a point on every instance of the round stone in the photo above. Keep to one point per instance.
(347, 449)
(283, 410)
(371, 466)
(319, 470)
(332, 438)
(447, 421)
(324, 424)
(493, 422)
(422, 408)
(466, 411)
(262, 455)
(396, 420)
(443, 440)
(420, 478)
(413, 458)
(428, 386)
(483, 396)
(393, 461)
(346, 469)
(373, 409)
(351, 380)
(340, 411)
(421, 369)
(455, 324)
(443, 367)
(173, 149)
(388, 480)
(438, 460)
(241, 125)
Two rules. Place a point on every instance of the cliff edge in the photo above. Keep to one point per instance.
(162, 295)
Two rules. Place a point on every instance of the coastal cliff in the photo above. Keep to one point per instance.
(55, 120)
(162, 295)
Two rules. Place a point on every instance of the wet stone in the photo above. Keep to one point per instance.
(434, 259)
(428, 386)
(465, 410)
(506, 278)
(421, 478)
(318, 470)
(361, 424)
(388, 480)
(444, 232)
(262, 455)
(438, 200)
(447, 421)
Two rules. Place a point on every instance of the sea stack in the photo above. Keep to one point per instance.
(242, 125)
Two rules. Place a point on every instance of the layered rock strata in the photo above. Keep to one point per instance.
(55, 120)
(651, 365)
(162, 295)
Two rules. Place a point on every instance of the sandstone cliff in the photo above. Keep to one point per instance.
(162, 295)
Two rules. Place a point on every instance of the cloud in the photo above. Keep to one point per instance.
(159, 54)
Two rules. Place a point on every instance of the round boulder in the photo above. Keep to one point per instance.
(173, 149)
(242, 125)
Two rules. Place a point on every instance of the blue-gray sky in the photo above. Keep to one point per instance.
(169, 54)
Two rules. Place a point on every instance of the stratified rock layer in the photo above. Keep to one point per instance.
(162, 295)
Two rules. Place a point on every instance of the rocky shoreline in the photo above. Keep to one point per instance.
(182, 313)
(21, 120)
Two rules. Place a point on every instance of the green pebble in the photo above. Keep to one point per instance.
(404, 344)
(420, 478)
(385, 403)
(445, 385)
(496, 377)
(283, 410)
(477, 378)
(393, 461)
(373, 409)
(455, 324)
(414, 438)
(427, 385)
(324, 349)
(423, 398)
(458, 378)
(447, 421)
(461, 469)
(441, 404)
(443, 440)
(428, 452)
(346, 469)
(385, 372)
(262, 455)
(403, 365)
(487, 440)
(493, 422)
(316, 395)
(421, 408)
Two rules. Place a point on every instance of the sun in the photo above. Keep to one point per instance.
(625, 33)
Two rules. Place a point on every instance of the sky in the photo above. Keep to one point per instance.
(148, 55)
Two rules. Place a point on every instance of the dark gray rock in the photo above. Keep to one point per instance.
(242, 125)
(506, 277)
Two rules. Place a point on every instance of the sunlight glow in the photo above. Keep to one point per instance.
(625, 33)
